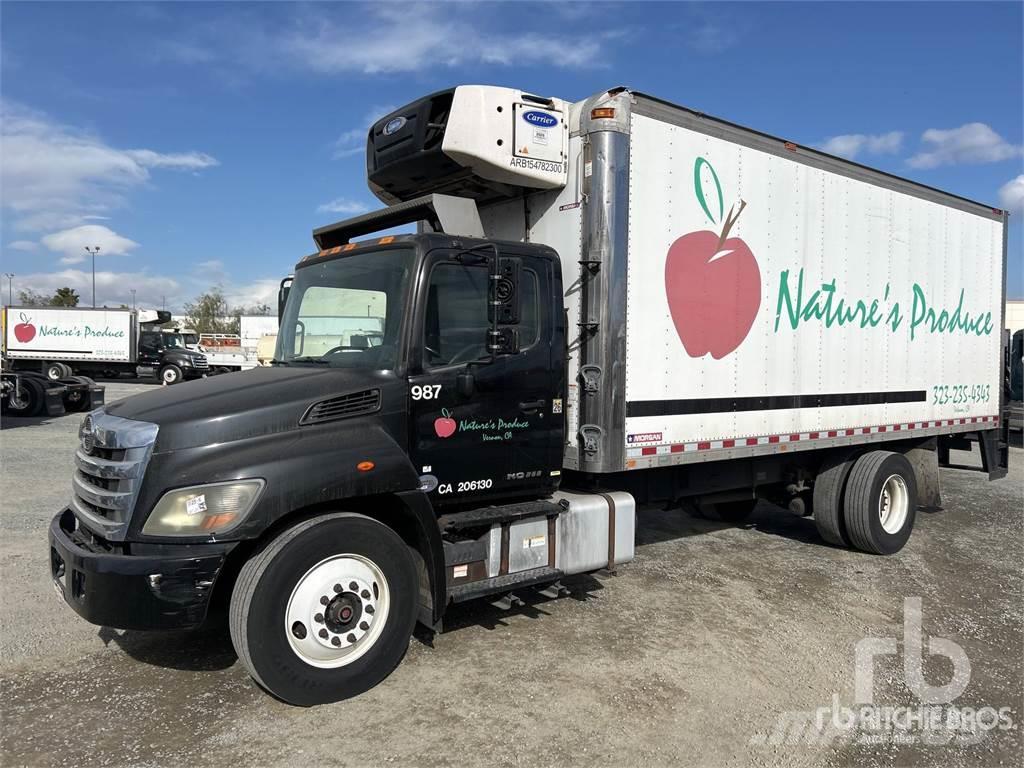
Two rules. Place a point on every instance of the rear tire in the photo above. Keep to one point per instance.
(288, 614)
(829, 487)
(54, 371)
(31, 400)
(170, 375)
(880, 502)
(66, 370)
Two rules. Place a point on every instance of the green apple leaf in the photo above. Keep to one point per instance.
(698, 186)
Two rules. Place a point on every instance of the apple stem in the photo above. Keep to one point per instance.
(729, 221)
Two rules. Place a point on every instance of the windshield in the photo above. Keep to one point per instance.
(173, 341)
(346, 312)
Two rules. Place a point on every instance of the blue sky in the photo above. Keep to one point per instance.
(201, 143)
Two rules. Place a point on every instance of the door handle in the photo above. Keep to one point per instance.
(531, 405)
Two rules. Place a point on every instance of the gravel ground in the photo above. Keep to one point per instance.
(693, 654)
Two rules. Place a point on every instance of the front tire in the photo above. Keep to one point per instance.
(880, 502)
(326, 610)
(170, 375)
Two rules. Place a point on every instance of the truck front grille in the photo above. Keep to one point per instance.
(200, 363)
(109, 466)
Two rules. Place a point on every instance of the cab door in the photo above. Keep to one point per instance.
(482, 425)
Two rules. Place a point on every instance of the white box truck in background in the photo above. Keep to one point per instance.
(608, 302)
(62, 341)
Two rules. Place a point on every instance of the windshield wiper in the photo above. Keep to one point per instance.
(275, 361)
(309, 359)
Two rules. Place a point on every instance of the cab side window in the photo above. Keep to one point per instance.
(455, 329)
(149, 341)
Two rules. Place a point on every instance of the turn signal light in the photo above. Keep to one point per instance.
(365, 466)
(599, 113)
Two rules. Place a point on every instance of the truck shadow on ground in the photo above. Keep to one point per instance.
(14, 422)
(207, 649)
(655, 526)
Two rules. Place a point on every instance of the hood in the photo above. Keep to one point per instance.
(247, 404)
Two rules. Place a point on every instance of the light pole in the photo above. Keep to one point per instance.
(10, 288)
(92, 252)
(133, 298)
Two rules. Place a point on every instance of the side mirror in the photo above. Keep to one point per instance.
(282, 296)
(465, 384)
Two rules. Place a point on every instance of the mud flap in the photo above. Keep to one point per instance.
(925, 461)
(995, 451)
(96, 397)
(53, 399)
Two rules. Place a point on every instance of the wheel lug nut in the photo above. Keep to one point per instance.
(369, 609)
(363, 626)
(325, 600)
(351, 638)
(335, 640)
(353, 586)
(319, 618)
(337, 587)
(365, 594)
(323, 633)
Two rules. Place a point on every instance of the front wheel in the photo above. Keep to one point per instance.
(170, 374)
(326, 610)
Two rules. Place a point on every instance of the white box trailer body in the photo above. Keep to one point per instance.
(841, 305)
(94, 335)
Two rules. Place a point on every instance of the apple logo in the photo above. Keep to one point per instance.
(24, 331)
(712, 281)
(445, 425)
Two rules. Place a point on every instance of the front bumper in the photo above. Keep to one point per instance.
(104, 586)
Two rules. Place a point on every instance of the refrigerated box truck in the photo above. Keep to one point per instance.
(61, 342)
(607, 302)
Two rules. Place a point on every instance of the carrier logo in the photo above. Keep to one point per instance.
(393, 125)
(540, 119)
(87, 435)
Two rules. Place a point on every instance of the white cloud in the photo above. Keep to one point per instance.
(53, 176)
(353, 141)
(343, 205)
(1011, 196)
(72, 242)
(970, 143)
(262, 291)
(23, 245)
(189, 161)
(112, 288)
(849, 145)
(712, 37)
(386, 38)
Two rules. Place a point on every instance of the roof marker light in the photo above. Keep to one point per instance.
(599, 113)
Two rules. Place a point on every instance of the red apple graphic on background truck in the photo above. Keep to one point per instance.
(712, 281)
(24, 331)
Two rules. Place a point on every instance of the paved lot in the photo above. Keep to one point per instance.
(689, 657)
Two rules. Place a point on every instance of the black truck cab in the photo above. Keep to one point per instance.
(416, 378)
(167, 355)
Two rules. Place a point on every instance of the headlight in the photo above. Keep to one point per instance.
(186, 361)
(203, 509)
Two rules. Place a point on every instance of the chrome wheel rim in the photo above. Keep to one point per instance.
(893, 504)
(337, 611)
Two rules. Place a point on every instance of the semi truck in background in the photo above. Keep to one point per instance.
(65, 341)
(608, 302)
